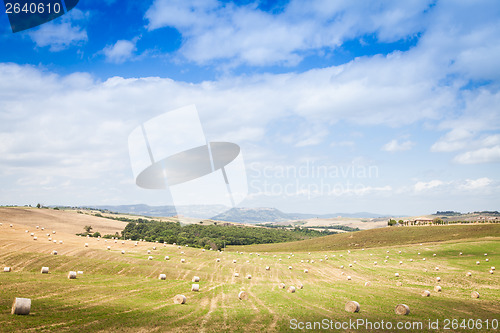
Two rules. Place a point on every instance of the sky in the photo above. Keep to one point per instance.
(389, 107)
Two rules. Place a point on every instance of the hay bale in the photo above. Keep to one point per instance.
(167, 258)
(154, 247)
(86, 244)
(411, 260)
(375, 263)
(368, 283)
(234, 261)
(385, 260)
(268, 268)
(485, 259)
(149, 251)
(396, 274)
(53, 231)
(341, 266)
(437, 268)
(433, 254)
(486, 254)
(195, 279)
(21, 306)
(306, 270)
(72, 275)
(350, 265)
(150, 258)
(54, 252)
(79, 272)
(290, 267)
(352, 306)
(468, 274)
(402, 309)
(437, 289)
(460, 253)
(249, 276)
(108, 248)
(6, 269)
(179, 299)
(282, 285)
(35, 238)
(32, 234)
(60, 242)
(300, 285)
(44, 270)
(217, 260)
(491, 271)
(162, 277)
(477, 262)
(183, 261)
(236, 275)
(291, 289)
(123, 251)
(243, 295)
(399, 283)
(438, 279)
(492, 268)
(400, 262)
(348, 277)
(474, 294)
(195, 287)
(426, 293)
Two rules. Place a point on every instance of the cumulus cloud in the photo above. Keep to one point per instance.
(395, 145)
(62, 35)
(482, 155)
(121, 51)
(424, 186)
(215, 30)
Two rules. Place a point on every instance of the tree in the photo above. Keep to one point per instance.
(38, 205)
(88, 229)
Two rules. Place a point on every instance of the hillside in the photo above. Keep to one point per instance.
(121, 291)
(384, 237)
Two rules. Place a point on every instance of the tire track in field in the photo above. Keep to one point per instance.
(213, 306)
(271, 312)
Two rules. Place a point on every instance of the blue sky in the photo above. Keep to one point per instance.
(408, 90)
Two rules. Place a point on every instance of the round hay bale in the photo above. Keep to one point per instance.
(399, 252)
(342, 273)
(312, 261)
(150, 258)
(426, 293)
(6, 269)
(217, 260)
(154, 247)
(477, 262)
(487, 259)
(437, 268)
(354, 262)
(468, 274)
(236, 275)
(53, 231)
(289, 267)
(491, 271)
(385, 260)
(183, 261)
(195, 287)
(60, 242)
(108, 248)
(21, 306)
(460, 253)
(348, 277)
(54, 252)
(486, 254)
(195, 279)
(400, 262)
(396, 274)
(433, 254)
(79, 272)
(234, 261)
(411, 260)
(249, 276)
(55, 242)
(399, 283)
(291, 289)
(300, 285)
(44, 270)
(423, 259)
(352, 306)
(268, 268)
(368, 283)
(438, 279)
(32, 234)
(350, 265)
(243, 295)
(425, 270)
(182, 252)
(35, 238)
(282, 285)
(437, 289)
(167, 258)
(86, 244)
(72, 275)
(341, 266)
(306, 270)
(11, 225)
(149, 251)
(375, 263)
(474, 294)
(179, 299)
(123, 251)
(492, 268)
(402, 309)
(162, 277)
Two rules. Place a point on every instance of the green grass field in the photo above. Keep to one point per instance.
(123, 293)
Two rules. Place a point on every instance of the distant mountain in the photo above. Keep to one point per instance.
(242, 215)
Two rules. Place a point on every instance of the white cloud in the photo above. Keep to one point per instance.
(482, 155)
(60, 36)
(473, 184)
(424, 186)
(395, 145)
(121, 51)
(215, 30)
